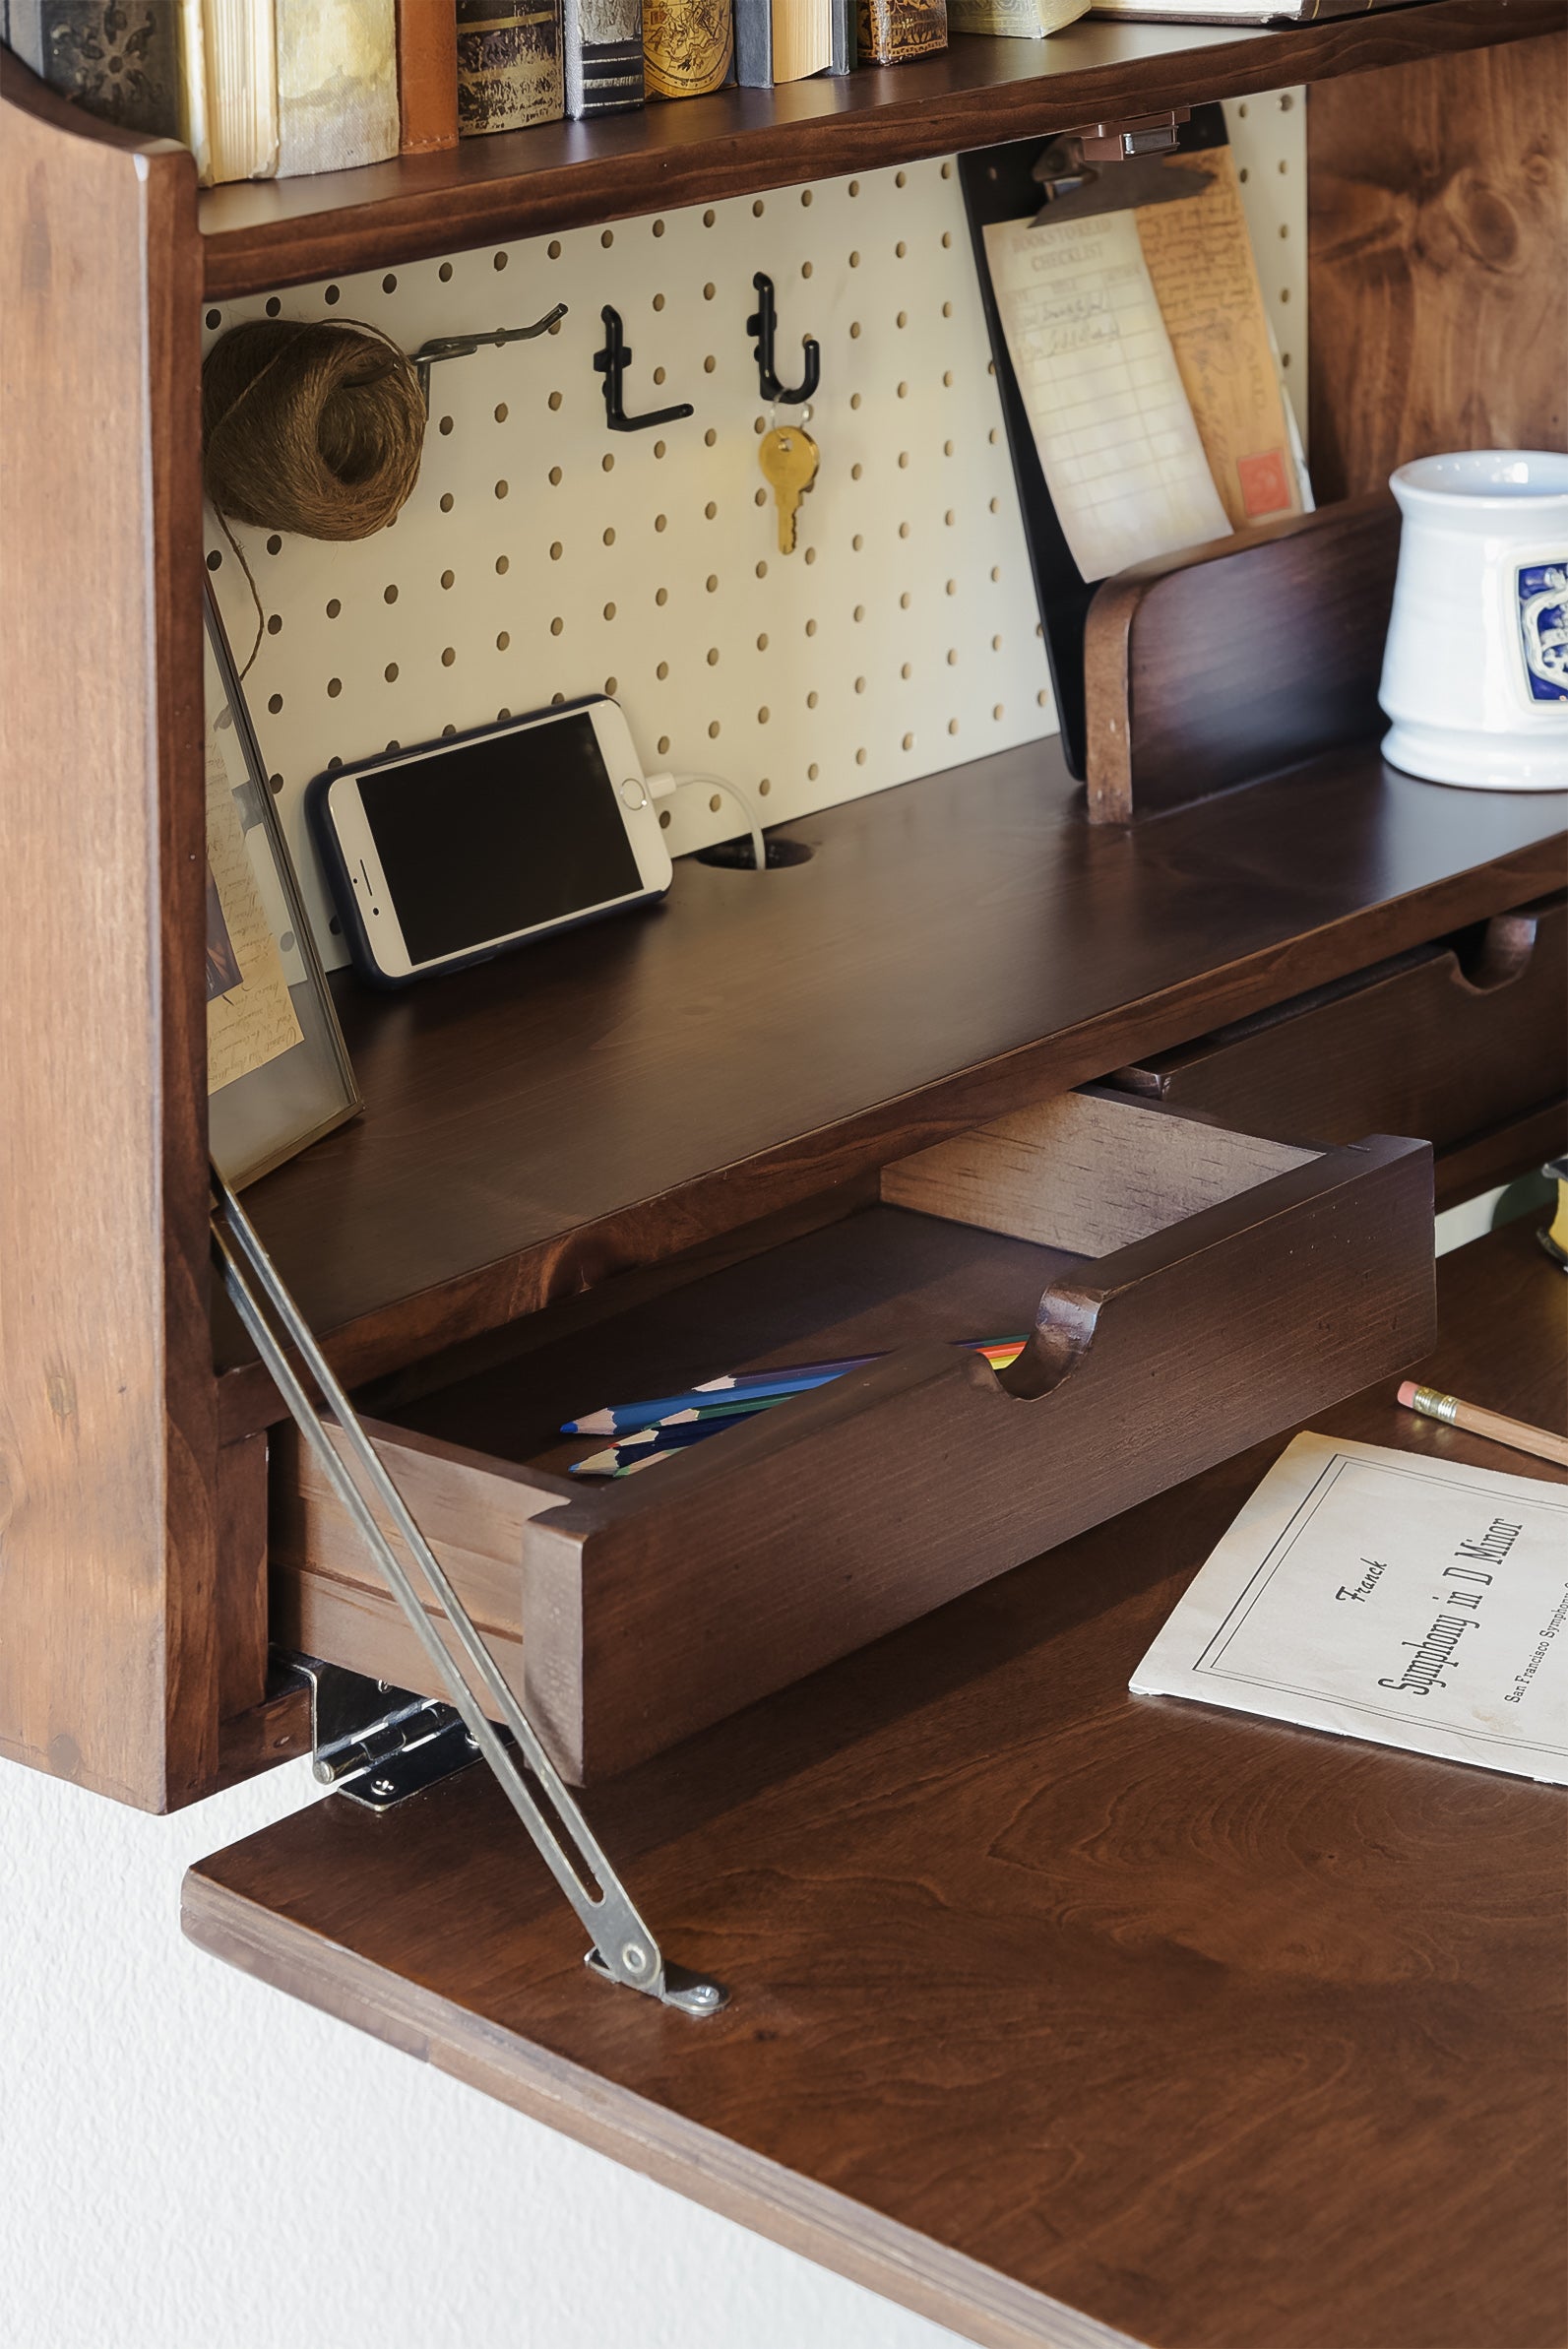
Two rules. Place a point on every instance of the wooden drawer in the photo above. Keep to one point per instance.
(1188, 1291)
(1453, 1042)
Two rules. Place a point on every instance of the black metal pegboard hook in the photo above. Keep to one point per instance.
(763, 326)
(612, 362)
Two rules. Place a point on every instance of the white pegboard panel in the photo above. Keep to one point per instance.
(1267, 137)
(542, 555)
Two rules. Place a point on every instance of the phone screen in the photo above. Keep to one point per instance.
(497, 835)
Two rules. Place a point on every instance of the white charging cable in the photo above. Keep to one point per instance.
(664, 786)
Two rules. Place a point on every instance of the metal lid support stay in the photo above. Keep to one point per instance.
(623, 1948)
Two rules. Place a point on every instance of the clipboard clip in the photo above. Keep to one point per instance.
(1075, 175)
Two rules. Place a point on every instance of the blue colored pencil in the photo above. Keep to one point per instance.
(619, 1418)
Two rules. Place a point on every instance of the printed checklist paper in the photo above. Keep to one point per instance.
(1385, 1596)
(1111, 419)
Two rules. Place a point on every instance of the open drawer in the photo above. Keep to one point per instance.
(1185, 1291)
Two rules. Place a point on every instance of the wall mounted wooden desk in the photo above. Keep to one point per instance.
(1064, 2018)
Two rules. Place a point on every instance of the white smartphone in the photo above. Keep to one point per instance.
(458, 851)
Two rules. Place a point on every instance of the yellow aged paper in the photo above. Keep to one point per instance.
(1119, 449)
(1200, 260)
(254, 1022)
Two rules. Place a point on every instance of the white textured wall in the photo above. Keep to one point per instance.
(190, 2160)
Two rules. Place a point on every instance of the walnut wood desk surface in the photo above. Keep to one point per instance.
(1061, 2016)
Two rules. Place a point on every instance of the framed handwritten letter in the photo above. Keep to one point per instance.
(278, 1071)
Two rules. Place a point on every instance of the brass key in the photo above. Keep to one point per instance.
(790, 459)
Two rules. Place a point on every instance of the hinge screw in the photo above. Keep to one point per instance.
(383, 1786)
(634, 1958)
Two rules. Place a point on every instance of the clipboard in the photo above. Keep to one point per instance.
(999, 184)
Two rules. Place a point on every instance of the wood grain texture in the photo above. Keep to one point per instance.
(973, 93)
(1207, 668)
(1501, 1155)
(1438, 257)
(1217, 2031)
(240, 1601)
(647, 1609)
(109, 1666)
(968, 943)
(1447, 1042)
(1071, 1174)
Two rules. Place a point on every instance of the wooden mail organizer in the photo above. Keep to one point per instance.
(1186, 1289)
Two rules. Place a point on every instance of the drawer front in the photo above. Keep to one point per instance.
(1437, 1045)
(1190, 1289)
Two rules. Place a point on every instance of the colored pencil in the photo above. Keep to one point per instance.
(1518, 1434)
(619, 1418)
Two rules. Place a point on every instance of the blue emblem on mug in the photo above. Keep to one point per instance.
(1542, 589)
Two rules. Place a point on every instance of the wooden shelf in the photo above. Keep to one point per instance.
(1057, 2014)
(968, 942)
(260, 235)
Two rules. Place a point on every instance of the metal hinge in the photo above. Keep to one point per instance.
(622, 1949)
(376, 1744)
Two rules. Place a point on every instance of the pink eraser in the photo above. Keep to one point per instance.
(1408, 1394)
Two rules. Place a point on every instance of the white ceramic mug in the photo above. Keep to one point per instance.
(1475, 669)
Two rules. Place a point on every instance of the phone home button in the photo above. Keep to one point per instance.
(634, 794)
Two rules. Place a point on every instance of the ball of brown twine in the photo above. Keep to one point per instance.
(314, 426)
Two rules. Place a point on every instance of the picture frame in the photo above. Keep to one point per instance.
(279, 1072)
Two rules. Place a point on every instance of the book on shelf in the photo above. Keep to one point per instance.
(688, 46)
(336, 84)
(788, 41)
(228, 119)
(1014, 19)
(601, 48)
(891, 32)
(1238, 12)
(273, 89)
(427, 74)
(125, 72)
(509, 65)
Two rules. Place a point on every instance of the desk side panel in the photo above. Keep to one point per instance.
(107, 1421)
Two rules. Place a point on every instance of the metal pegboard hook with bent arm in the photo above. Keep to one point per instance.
(623, 1948)
(460, 347)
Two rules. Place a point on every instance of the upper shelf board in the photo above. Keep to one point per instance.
(264, 233)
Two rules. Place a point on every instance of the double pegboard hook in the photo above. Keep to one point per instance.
(611, 363)
(763, 326)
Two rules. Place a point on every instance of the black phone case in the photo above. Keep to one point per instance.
(340, 881)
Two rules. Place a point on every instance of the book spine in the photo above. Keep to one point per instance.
(846, 37)
(893, 31)
(427, 74)
(509, 65)
(754, 43)
(336, 84)
(123, 66)
(688, 46)
(601, 44)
